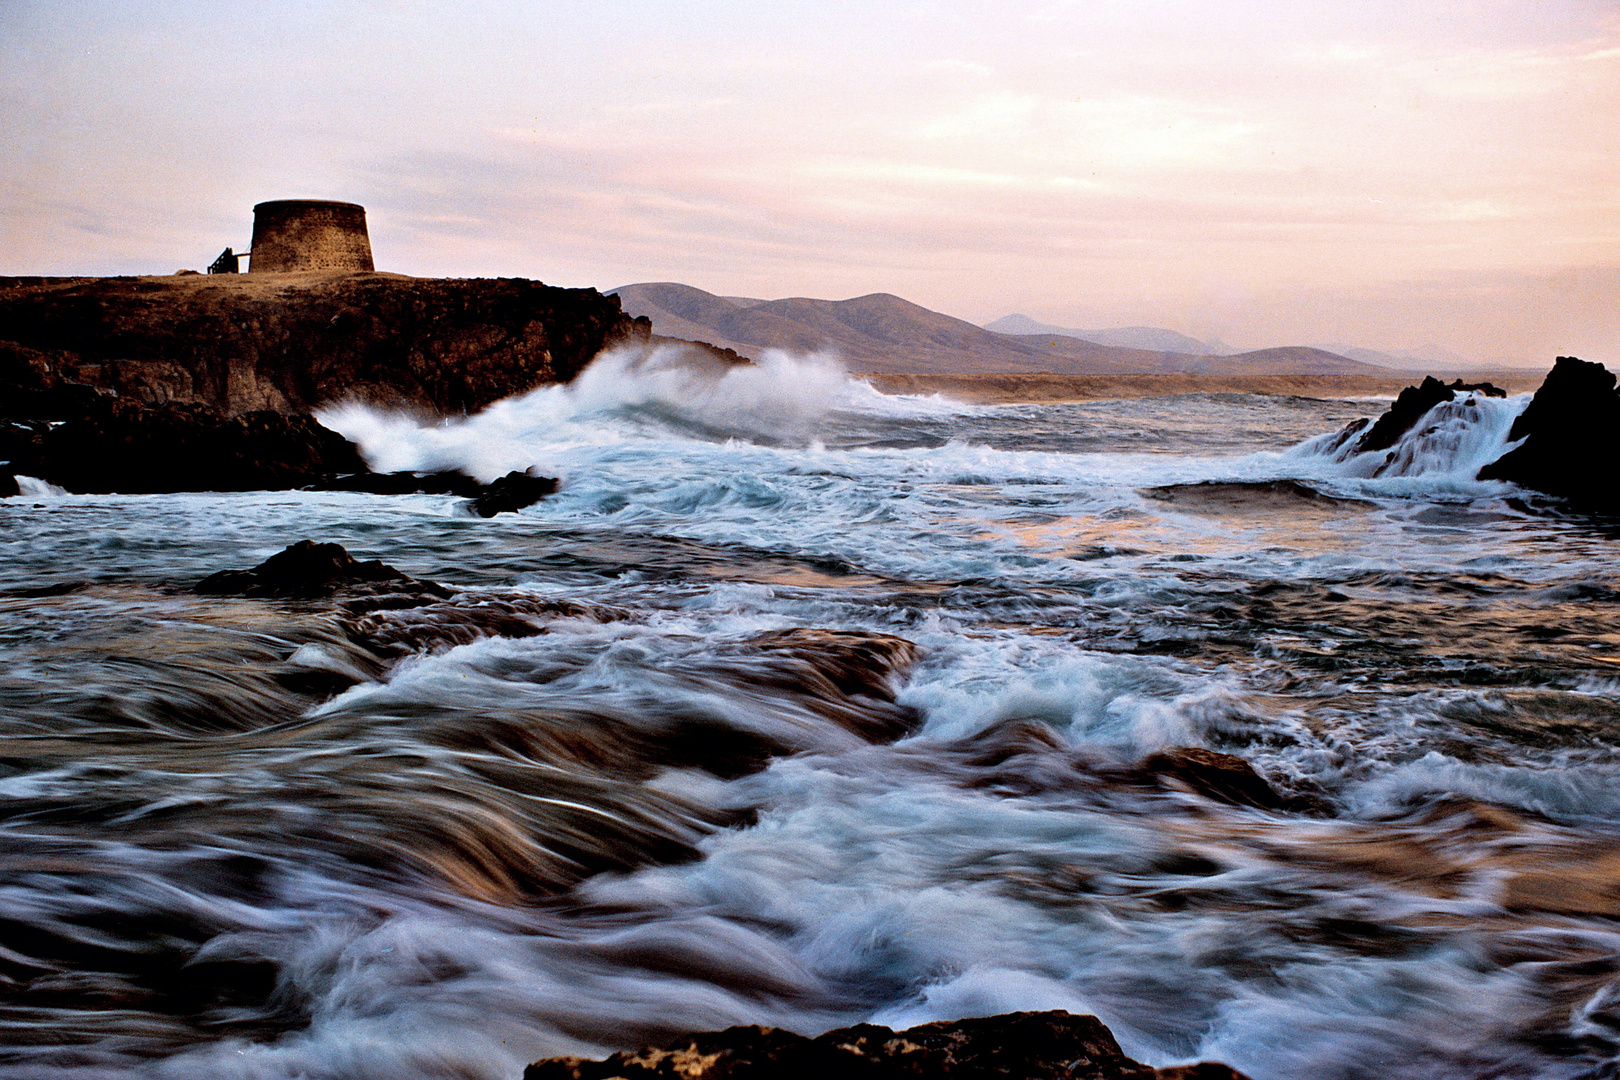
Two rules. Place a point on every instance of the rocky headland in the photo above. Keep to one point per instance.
(206, 383)
(290, 343)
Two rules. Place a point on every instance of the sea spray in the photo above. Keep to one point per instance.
(628, 394)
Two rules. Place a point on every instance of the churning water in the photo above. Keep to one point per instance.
(803, 705)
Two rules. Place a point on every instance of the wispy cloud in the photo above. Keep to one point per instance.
(1147, 161)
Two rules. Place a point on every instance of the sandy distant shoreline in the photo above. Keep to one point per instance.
(996, 389)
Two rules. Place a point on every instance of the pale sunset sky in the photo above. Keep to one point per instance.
(1413, 175)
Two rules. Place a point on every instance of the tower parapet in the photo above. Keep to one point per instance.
(309, 234)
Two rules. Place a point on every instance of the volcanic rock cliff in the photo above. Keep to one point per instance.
(292, 342)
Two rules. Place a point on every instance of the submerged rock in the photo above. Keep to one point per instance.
(1224, 777)
(1571, 433)
(1015, 1046)
(1247, 496)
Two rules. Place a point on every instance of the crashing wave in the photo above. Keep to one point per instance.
(1452, 441)
(629, 394)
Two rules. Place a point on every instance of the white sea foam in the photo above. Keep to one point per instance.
(31, 487)
(628, 394)
(1447, 446)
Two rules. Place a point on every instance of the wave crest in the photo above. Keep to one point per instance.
(664, 391)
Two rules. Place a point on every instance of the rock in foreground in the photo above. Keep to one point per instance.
(306, 570)
(1571, 433)
(1015, 1046)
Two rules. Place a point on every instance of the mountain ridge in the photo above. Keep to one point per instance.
(1152, 338)
(881, 332)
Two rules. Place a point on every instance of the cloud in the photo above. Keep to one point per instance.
(1153, 160)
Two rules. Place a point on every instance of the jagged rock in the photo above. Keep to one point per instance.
(294, 342)
(1411, 406)
(1571, 433)
(306, 570)
(511, 493)
(1014, 1046)
(1225, 777)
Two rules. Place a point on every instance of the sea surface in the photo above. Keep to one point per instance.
(802, 705)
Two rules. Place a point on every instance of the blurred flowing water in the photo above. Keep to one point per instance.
(803, 705)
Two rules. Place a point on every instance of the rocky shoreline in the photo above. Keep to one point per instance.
(193, 383)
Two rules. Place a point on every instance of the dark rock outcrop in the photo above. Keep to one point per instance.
(117, 445)
(241, 343)
(506, 495)
(1412, 405)
(306, 570)
(1015, 1046)
(404, 483)
(512, 493)
(1571, 433)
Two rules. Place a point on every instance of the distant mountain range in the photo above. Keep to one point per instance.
(1153, 338)
(1159, 339)
(880, 332)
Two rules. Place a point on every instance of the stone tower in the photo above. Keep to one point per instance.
(309, 234)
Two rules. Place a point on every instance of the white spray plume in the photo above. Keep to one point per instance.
(631, 393)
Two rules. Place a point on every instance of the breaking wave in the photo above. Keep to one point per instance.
(664, 391)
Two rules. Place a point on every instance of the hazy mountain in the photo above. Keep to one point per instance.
(1432, 357)
(1152, 338)
(1090, 357)
(1156, 338)
(1023, 324)
(881, 332)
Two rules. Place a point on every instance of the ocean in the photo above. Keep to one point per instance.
(804, 705)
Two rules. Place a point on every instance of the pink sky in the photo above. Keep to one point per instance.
(1402, 176)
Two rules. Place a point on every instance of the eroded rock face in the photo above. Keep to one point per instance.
(239, 343)
(1571, 432)
(1015, 1046)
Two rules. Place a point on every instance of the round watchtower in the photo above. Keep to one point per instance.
(309, 234)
